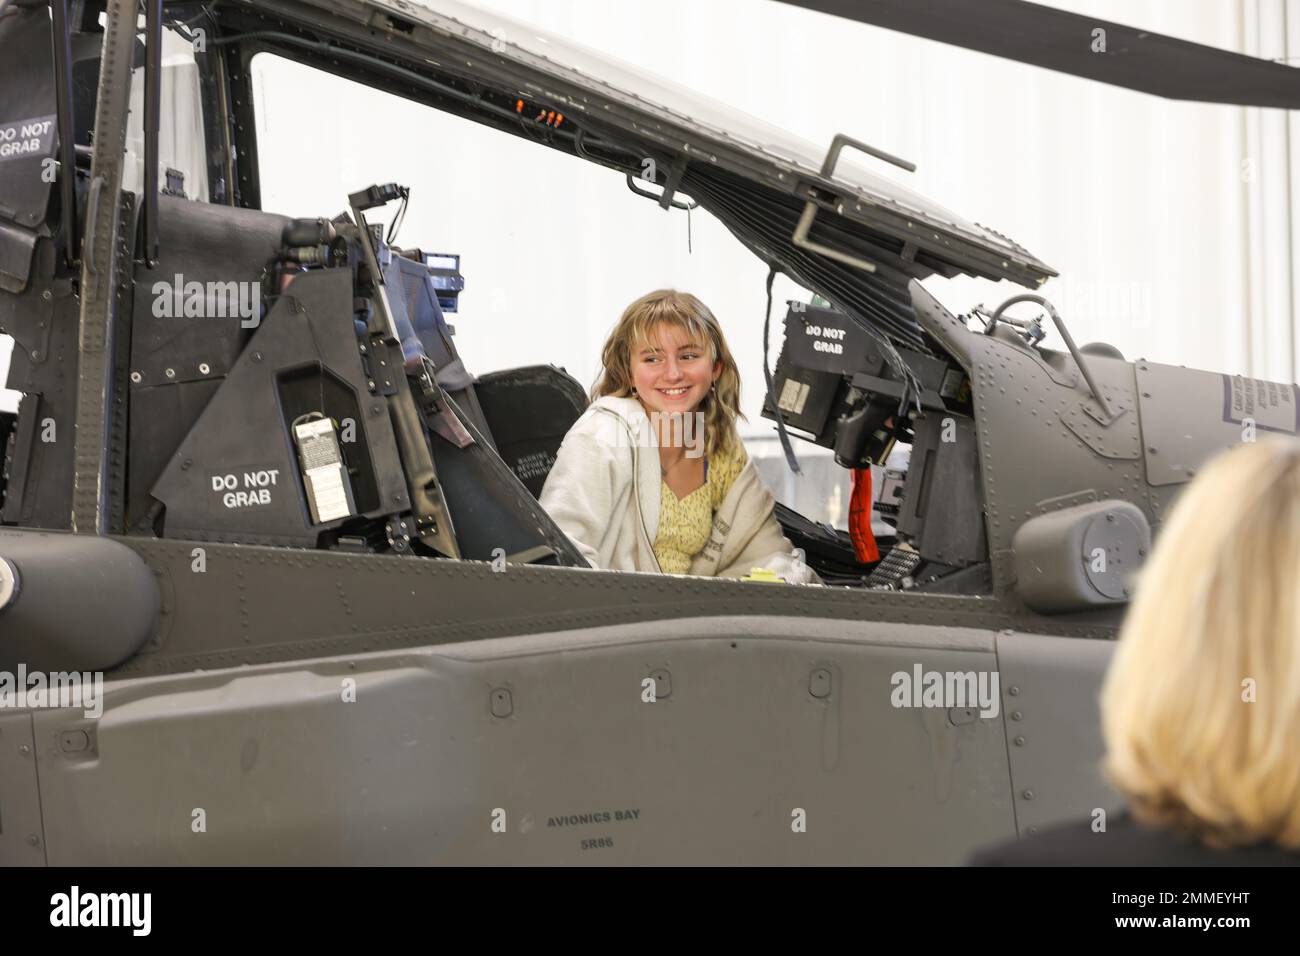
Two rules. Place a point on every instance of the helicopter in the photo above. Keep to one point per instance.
(346, 632)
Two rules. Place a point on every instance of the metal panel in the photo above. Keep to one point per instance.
(553, 731)
(234, 611)
(22, 841)
(310, 324)
(1032, 434)
(1188, 416)
(27, 98)
(1119, 439)
(201, 244)
(1053, 725)
(941, 505)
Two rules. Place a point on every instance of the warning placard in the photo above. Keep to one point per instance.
(27, 137)
(1271, 406)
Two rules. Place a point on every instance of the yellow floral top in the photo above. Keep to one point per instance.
(684, 524)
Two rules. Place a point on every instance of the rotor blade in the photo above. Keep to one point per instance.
(1068, 43)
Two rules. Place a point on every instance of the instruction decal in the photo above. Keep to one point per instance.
(596, 818)
(246, 488)
(826, 338)
(27, 137)
(1272, 406)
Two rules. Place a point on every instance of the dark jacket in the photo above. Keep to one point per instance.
(1125, 842)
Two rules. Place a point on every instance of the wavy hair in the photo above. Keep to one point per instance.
(1201, 705)
(636, 327)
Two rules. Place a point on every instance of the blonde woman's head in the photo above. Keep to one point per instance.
(668, 351)
(1201, 706)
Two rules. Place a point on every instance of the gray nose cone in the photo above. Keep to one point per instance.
(72, 602)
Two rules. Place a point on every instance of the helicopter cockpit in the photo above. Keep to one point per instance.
(295, 381)
(491, 438)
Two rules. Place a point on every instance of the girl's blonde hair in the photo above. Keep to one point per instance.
(681, 309)
(1201, 706)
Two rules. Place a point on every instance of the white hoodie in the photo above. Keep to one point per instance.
(613, 519)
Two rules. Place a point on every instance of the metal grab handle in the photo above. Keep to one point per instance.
(433, 522)
(675, 203)
(152, 112)
(1065, 334)
(841, 140)
(804, 226)
(63, 98)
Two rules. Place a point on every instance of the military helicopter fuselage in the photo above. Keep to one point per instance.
(254, 484)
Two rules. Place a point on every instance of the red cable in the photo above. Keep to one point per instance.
(864, 542)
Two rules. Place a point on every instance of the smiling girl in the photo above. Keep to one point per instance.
(653, 476)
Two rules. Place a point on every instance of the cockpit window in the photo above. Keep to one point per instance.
(182, 165)
(548, 262)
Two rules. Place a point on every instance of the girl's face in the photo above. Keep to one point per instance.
(672, 373)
